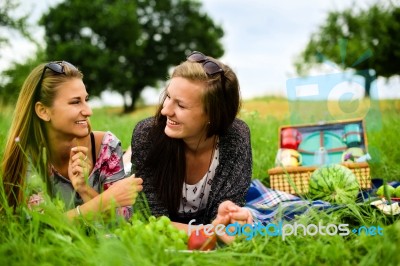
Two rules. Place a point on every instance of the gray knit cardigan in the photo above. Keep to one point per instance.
(232, 177)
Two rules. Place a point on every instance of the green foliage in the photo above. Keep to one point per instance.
(360, 39)
(264, 142)
(127, 45)
(10, 23)
(6, 112)
(15, 76)
(112, 120)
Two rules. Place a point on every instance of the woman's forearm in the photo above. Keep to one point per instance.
(97, 205)
(87, 193)
(121, 193)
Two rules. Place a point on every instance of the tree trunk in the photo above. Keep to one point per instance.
(366, 74)
(135, 94)
(125, 103)
(128, 108)
(368, 81)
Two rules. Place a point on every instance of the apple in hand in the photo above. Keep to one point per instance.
(199, 240)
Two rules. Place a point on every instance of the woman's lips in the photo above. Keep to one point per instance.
(172, 123)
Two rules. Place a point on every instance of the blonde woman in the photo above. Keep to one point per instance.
(51, 137)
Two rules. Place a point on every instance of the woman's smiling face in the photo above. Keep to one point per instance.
(184, 109)
(70, 110)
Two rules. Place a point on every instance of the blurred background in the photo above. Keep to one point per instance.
(126, 49)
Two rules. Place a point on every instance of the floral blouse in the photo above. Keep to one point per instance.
(108, 169)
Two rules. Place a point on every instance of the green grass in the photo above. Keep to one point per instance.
(50, 240)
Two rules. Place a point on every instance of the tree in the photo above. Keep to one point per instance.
(124, 45)
(16, 74)
(364, 40)
(9, 22)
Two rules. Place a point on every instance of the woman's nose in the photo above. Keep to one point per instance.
(87, 110)
(167, 109)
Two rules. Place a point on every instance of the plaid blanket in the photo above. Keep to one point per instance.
(269, 205)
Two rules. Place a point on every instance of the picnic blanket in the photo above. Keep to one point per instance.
(269, 205)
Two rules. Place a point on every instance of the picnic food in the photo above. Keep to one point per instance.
(389, 188)
(199, 240)
(397, 192)
(334, 183)
(157, 231)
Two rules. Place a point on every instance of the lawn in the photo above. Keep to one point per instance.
(51, 240)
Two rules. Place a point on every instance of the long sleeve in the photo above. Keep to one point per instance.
(233, 175)
(141, 145)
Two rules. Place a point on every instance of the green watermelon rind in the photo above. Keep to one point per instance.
(334, 183)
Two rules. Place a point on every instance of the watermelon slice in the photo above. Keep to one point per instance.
(334, 183)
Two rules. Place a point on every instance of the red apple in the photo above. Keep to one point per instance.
(199, 240)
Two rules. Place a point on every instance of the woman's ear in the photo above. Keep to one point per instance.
(42, 111)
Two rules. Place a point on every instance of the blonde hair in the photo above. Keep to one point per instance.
(27, 137)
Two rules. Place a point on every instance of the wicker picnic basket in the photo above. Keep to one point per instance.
(294, 180)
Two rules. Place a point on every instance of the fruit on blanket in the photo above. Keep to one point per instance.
(199, 240)
(397, 192)
(334, 183)
(389, 188)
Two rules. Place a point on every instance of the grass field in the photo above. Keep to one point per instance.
(50, 240)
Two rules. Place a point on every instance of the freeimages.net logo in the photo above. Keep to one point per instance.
(249, 231)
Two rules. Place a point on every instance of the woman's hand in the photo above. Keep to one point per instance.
(79, 168)
(241, 216)
(125, 191)
(230, 213)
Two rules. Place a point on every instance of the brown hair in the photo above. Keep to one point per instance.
(221, 103)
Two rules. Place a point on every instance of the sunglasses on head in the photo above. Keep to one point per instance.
(209, 66)
(57, 67)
